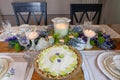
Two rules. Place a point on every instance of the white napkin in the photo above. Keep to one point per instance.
(16, 71)
(89, 66)
(85, 71)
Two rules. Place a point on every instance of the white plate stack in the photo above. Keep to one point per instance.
(107, 66)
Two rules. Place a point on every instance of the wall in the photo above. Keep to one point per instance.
(5, 7)
(112, 12)
(54, 6)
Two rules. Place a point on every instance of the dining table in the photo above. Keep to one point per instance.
(79, 76)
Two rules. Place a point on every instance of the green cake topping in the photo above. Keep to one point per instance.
(62, 73)
(53, 73)
(61, 55)
(47, 69)
(53, 58)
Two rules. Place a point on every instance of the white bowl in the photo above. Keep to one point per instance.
(116, 61)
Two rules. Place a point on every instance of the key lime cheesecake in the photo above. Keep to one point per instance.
(58, 62)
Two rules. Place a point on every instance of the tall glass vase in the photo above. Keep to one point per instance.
(32, 45)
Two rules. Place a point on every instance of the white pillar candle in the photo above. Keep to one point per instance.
(61, 29)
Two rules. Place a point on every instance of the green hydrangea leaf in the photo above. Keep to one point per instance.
(76, 34)
(17, 47)
(66, 39)
(101, 40)
(99, 34)
(92, 42)
(56, 36)
(56, 41)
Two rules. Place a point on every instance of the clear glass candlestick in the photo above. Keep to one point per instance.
(23, 41)
(30, 55)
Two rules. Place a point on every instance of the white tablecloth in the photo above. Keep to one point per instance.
(90, 68)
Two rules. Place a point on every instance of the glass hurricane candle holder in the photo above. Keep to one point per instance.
(61, 26)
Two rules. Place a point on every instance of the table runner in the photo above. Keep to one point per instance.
(115, 27)
(110, 31)
(107, 29)
(90, 67)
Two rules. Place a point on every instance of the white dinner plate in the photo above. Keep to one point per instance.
(101, 64)
(4, 64)
(3, 67)
(8, 58)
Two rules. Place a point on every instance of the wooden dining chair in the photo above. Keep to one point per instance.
(89, 11)
(31, 9)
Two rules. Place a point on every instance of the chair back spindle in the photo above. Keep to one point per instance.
(84, 9)
(33, 9)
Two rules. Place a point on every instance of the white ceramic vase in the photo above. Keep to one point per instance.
(88, 45)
